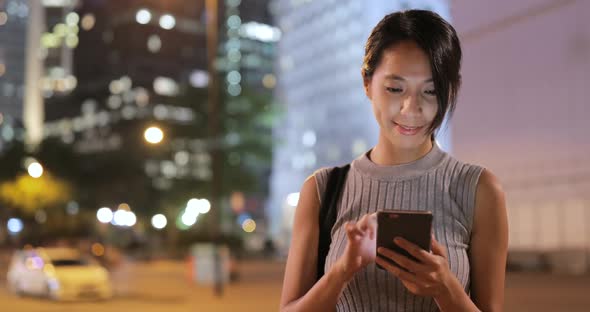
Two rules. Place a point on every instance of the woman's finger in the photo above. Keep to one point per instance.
(402, 260)
(397, 271)
(414, 250)
(367, 225)
(352, 230)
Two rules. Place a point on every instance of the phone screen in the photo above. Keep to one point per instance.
(414, 226)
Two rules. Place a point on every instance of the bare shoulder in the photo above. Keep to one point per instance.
(308, 206)
(490, 201)
(309, 192)
(489, 186)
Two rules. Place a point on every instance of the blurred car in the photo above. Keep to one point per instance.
(59, 274)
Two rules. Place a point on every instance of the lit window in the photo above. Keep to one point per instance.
(234, 89)
(199, 78)
(154, 43)
(181, 158)
(234, 22)
(234, 77)
(72, 18)
(165, 86)
(167, 21)
(114, 102)
(234, 55)
(309, 138)
(143, 16)
(269, 81)
(88, 21)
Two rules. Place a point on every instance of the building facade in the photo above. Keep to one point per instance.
(522, 113)
(14, 17)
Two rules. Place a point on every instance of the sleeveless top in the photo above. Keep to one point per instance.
(436, 182)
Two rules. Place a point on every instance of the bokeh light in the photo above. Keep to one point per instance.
(153, 135)
(35, 170)
(293, 199)
(159, 221)
(249, 226)
(88, 21)
(97, 249)
(104, 215)
(167, 21)
(14, 225)
(143, 16)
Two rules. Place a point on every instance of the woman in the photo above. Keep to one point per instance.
(411, 77)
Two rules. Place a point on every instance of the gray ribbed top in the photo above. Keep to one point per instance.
(436, 182)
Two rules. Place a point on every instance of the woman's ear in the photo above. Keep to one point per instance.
(367, 86)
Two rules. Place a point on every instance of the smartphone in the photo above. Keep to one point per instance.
(414, 226)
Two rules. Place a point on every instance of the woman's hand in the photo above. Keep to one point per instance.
(360, 246)
(430, 277)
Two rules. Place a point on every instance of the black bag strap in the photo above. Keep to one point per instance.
(328, 213)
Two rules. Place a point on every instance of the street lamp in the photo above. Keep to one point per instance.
(159, 221)
(143, 16)
(200, 206)
(167, 21)
(14, 226)
(104, 215)
(153, 135)
(124, 218)
(35, 170)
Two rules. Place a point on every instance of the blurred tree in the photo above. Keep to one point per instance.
(28, 194)
(11, 160)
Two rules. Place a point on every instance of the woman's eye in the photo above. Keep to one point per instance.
(430, 92)
(394, 90)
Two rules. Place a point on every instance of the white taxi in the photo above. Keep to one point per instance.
(59, 274)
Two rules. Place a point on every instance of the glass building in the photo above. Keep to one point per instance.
(13, 35)
(36, 42)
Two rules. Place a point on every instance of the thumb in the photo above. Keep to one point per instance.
(372, 220)
(437, 248)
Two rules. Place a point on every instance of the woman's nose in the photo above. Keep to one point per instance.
(411, 105)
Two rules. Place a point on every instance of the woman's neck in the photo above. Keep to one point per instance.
(387, 154)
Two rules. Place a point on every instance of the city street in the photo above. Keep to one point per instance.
(136, 133)
(164, 286)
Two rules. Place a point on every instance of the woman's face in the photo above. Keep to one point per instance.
(402, 94)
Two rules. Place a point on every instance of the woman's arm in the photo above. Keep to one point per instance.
(299, 292)
(489, 244)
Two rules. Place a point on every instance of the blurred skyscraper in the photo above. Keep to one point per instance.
(135, 62)
(36, 42)
(13, 29)
(13, 35)
(328, 119)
